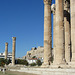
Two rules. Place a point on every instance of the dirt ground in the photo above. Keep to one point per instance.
(15, 73)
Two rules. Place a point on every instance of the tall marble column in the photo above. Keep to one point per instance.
(6, 50)
(13, 50)
(72, 2)
(54, 24)
(60, 52)
(67, 29)
(47, 32)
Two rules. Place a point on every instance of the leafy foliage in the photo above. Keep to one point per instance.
(8, 61)
(4, 61)
(38, 62)
(23, 62)
(34, 57)
(33, 64)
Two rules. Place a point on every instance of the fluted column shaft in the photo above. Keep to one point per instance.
(72, 2)
(54, 30)
(13, 50)
(60, 55)
(54, 33)
(47, 31)
(6, 50)
(67, 30)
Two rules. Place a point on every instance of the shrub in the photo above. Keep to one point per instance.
(33, 64)
(34, 57)
(22, 62)
(8, 61)
(2, 62)
(38, 62)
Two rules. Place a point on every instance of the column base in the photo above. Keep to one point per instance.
(68, 61)
(62, 64)
(73, 60)
(72, 64)
(13, 64)
(46, 65)
(59, 63)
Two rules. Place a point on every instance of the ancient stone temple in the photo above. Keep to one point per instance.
(13, 50)
(63, 32)
(6, 50)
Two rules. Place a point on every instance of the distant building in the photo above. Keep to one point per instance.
(32, 60)
(2, 55)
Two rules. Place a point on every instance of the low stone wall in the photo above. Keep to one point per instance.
(47, 71)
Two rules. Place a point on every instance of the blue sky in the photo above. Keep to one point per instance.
(23, 19)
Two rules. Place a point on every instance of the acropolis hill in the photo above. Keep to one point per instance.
(38, 52)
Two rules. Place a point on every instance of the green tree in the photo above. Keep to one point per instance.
(8, 61)
(23, 62)
(33, 64)
(38, 62)
(2, 61)
(34, 57)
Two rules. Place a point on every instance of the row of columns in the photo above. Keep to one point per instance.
(13, 50)
(63, 31)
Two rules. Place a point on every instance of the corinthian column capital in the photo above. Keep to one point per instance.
(14, 38)
(6, 44)
(47, 1)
